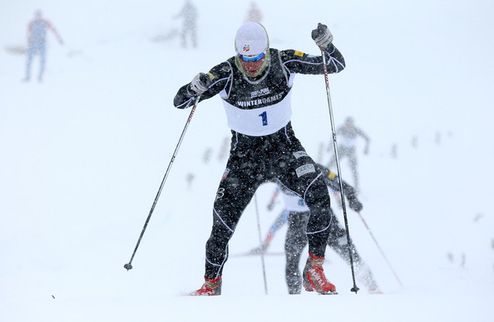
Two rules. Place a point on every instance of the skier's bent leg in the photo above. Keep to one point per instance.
(41, 68)
(29, 60)
(317, 199)
(295, 241)
(232, 197)
(217, 249)
(42, 63)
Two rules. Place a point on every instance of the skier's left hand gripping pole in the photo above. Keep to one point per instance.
(128, 266)
(323, 37)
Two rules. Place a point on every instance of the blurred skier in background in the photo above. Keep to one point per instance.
(207, 155)
(254, 13)
(36, 43)
(347, 135)
(189, 24)
(296, 213)
(189, 178)
(255, 86)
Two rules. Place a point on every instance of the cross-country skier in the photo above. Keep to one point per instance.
(296, 213)
(348, 133)
(36, 43)
(255, 86)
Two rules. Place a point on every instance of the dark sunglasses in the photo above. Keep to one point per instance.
(246, 58)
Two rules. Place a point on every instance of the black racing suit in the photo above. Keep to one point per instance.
(257, 157)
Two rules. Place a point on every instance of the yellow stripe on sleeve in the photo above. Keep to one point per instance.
(331, 175)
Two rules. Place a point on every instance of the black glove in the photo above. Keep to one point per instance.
(354, 204)
(322, 36)
(200, 83)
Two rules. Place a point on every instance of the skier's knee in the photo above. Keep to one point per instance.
(317, 196)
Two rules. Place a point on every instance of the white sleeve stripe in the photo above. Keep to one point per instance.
(188, 92)
(230, 78)
(331, 59)
(219, 80)
(301, 61)
(340, 63)
(186, 103)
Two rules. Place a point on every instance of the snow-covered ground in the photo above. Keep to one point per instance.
(84, 152)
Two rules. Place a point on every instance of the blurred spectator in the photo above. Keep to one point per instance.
(394, 150)
(207, 155)
(437, 138)
(189, 25)
(36, 43)
(254, 13)
(189, 178)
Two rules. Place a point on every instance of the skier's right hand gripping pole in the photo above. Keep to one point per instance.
(200, 84)
(129, 266)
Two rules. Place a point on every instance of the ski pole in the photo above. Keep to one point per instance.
(260, 243)
(380, 249)
(128, 266)
(335, 147)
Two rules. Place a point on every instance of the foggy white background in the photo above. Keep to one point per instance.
(83, 153)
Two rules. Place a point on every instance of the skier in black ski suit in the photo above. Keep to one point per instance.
(255, 86)
(296, 213)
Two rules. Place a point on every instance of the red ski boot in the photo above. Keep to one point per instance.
(209, 288)
(314, 278)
